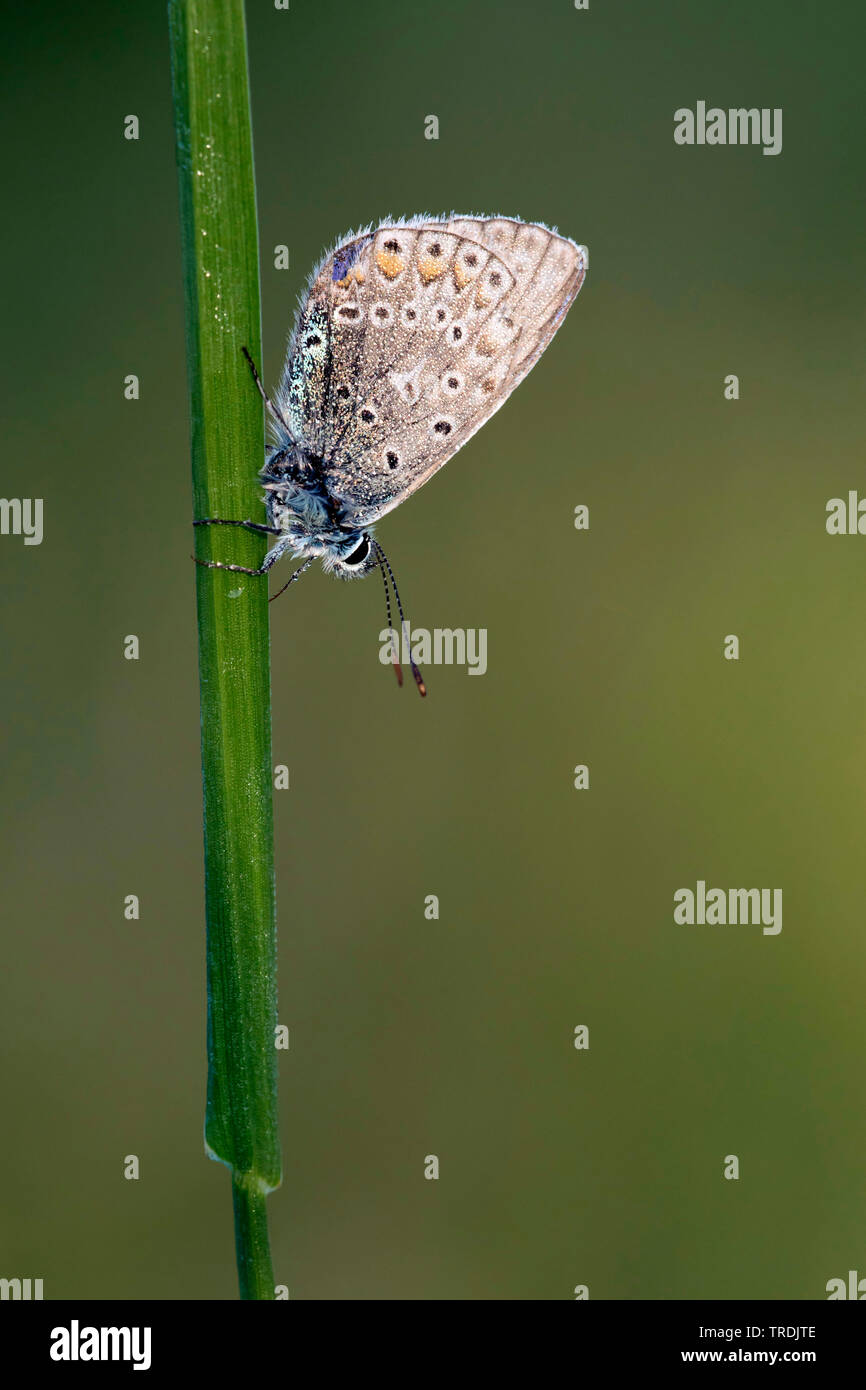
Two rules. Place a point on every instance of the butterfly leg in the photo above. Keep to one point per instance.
(291, 579)
(249, 525)
(273, 555)
(264, 395)
(237, 569)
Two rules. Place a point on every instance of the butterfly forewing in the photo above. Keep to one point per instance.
(410, 339)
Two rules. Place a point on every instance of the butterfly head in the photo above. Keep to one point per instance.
(352, 556)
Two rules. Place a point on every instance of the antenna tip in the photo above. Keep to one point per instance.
(398, 672)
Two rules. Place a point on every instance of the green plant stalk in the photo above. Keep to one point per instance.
(221, 281)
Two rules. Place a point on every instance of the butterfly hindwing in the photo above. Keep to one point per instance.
(411, 337)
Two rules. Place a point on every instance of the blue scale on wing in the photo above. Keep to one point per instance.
(304, 388)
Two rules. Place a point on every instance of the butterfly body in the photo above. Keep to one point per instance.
(410, 336)
(308, 517)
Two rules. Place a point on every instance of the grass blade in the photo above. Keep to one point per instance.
(221, 280)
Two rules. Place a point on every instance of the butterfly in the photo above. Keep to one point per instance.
(411, 334)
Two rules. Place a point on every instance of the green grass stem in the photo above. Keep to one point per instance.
(219, 240)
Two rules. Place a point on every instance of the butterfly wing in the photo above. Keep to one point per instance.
(411, 337)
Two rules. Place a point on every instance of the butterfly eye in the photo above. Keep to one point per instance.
(359, 554)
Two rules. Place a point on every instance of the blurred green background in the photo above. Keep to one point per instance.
(411, 1037)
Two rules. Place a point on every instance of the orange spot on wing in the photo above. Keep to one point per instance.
(430, 268)
(461, 276)
(390, 263)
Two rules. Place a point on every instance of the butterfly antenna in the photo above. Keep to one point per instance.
(266, 398)
(419, 681)
(398, 670)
